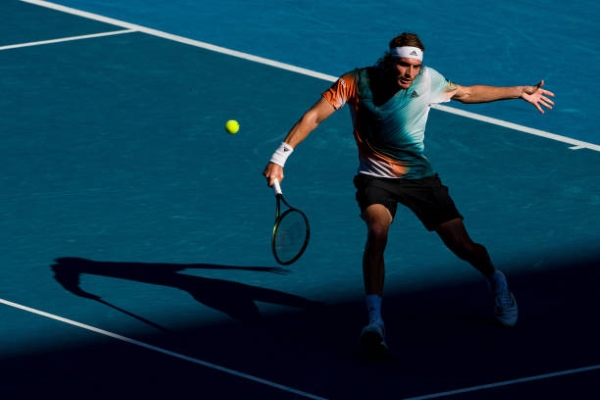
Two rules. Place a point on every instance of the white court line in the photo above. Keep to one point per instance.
(180, 39)
(65, 39)
(277, 385)
(575, 144)
(506, 383)
(164, 351)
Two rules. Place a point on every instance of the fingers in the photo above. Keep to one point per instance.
(538, 87)
(546, 102)
(548, 93)
(540, 97)
(273, 172)
(271, 181)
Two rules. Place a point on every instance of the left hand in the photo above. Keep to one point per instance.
(538, 96)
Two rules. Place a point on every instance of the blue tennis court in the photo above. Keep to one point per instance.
(137, 254)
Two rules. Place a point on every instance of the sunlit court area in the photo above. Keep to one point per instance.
(136, 230)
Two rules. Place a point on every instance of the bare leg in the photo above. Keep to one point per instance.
(378, 220)
(454, 235)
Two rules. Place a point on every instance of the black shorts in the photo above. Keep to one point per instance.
(428, 198)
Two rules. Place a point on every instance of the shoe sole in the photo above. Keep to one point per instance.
(373, 343)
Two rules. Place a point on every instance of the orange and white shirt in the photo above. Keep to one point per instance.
(390, 131)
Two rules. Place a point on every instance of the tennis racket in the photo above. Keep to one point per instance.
(291, 231)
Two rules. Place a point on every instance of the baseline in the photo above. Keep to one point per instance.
(575, 144)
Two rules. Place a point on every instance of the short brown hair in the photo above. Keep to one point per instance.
(404, 39)
(407, 39)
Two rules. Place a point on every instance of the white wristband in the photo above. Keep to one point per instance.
(281, 154)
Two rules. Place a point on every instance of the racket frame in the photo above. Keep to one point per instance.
(279, 217)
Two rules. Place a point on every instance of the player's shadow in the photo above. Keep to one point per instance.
(238, 300)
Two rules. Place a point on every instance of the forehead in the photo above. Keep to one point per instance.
(405, 61)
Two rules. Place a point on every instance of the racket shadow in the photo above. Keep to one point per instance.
(237, 300)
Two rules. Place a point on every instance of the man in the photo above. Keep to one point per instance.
(389, 103)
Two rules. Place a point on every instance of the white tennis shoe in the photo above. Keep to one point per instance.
(372, 338)
(505, 304)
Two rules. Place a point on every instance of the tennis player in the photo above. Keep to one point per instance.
(389, 104)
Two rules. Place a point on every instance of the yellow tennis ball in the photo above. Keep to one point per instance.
(232, 126)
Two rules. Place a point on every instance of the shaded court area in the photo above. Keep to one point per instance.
(136, 257)
(441, 340)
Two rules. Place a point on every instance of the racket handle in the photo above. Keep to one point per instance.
(276, 187)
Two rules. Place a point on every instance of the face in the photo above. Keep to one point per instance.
(405, 71)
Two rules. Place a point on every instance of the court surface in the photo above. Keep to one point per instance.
(136, 251)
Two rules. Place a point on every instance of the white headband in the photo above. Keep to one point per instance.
(407, 52)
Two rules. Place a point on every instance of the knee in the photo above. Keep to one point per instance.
(378, 232)
(378, 220)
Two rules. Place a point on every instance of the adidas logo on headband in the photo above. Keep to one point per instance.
(407, 52)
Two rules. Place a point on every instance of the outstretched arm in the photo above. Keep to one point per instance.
(483, 94)
(311, 119)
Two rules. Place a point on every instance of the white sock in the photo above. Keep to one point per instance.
(374, 309)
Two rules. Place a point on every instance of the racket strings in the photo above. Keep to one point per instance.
(291, 236)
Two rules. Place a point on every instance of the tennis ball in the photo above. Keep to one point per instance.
(232, 126)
